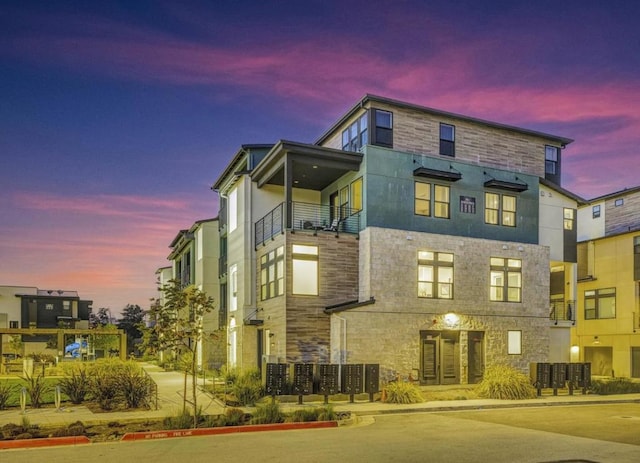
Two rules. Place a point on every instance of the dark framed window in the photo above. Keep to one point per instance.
(618, 202)
(506, 280)
(600, 303)
(595, 211)
(435, 275)
(383, 123)
(447, 140)
(356, 135)
(500, 209)
(569, 219)
(432, 200)
(551, 159)
(14, 324)
(272, 274)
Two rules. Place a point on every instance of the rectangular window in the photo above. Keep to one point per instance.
(344, 202)
(500, 209)
(568, 219)
(356, 135)
(447, 140)
(14, 324)
(383, 121)
(66, 305)
(272, 274)
(232, 207)
(506, 280)
(305, 270)
(435, 275)
(595, 211)
(551, 159)
(356, 195)
(233, 288)
(423, 196)
(618, 202)
(600, 303)
(514, 342)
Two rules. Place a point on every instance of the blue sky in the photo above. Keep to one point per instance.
(117, 117)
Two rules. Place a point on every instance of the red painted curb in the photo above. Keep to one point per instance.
(44, 442)
(132, 436)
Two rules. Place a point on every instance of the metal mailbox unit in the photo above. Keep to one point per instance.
(559, 375)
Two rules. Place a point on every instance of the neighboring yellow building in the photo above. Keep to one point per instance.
(607, 332)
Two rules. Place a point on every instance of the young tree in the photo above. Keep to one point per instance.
(178, 327)
(132, 318)
(101, 318)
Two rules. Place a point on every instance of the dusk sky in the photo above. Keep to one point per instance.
(116, 117)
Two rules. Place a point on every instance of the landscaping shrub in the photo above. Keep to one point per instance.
(76, 385)
(401, 393)
(6, 391)
(232, 417)
(267, 414)
(614, 386)
(36, 387)
(303, 415)
(247, 388)
(182, 421)
(135, 387)
(505, 383)
(104, 389)
(326, 413)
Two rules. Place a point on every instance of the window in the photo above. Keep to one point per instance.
(595, 211)
(233, 288)
(272, 274)
(383, 121)
(232, 207)
(344, 202)
(66, 305)
(568, 219)
(305, 270)
(447, 140)
(506, 280)
(356, 136)
(618, 202)
(356, 195)
(423, 196)
(551, 160)
(636, 258)
(500, 209)
(14, 324)
(435, 275)
(600, 303)
(514, 342)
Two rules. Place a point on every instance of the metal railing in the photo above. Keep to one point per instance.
(561, 310)
(306, 216)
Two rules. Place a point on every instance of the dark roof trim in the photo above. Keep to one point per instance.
(234, 162)
(448, 175)
(378, 99)
(581, 201)
(623, 192)
(518, 185)
(347, 305)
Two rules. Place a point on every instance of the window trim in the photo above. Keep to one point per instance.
(355, 140)
(298, 254)
(447, 146)
(273, 286)
(507, 270)
(432, 200)
(568, 218)
(501, 212)
(595, 211)
(436, 264)
(596, 297)
(551, 162)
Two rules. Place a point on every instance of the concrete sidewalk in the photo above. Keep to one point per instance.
(171, 386)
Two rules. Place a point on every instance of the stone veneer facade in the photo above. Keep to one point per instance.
(388, 332)
(300, 327)
(416, 131)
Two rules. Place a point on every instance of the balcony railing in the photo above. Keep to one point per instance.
(561, 310)
(306, 216)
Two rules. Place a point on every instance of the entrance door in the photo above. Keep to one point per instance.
(476, 356)
(601, 360)
(440, 357)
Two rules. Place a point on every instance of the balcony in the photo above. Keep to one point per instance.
(562, 311)
(309, 217)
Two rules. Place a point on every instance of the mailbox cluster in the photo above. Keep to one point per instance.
(325, 379)
(559, 375)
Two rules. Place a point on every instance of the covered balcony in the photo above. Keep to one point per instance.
(316, 218)
(562, 311)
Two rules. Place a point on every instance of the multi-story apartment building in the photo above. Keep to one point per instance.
(194, 261)
(410, 237)
(30, 307)
(608, 332)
